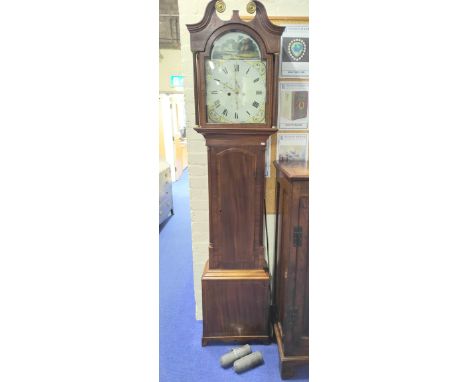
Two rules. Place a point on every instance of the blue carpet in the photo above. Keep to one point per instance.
(181, 356)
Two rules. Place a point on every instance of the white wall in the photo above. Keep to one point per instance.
(170, 64)
(192, 12)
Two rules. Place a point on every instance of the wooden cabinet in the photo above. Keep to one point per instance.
(291, 286)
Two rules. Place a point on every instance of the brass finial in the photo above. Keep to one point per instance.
(251, 7)
(220, 6)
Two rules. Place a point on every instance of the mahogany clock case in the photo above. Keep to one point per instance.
(201, 84)
(236, 183)
(211, 27)
(235, 282)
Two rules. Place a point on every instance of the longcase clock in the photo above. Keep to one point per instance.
(235, 72)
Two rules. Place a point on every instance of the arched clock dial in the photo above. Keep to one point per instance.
(235, 81)
(235, 91)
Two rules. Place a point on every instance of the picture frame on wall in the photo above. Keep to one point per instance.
(295, 51)
(292, 147)
(293, 106)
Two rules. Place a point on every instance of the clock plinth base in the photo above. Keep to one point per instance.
(235, 305)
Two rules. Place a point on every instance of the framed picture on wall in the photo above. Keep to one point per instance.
(291, 147)
(295, 51)
(293, 105)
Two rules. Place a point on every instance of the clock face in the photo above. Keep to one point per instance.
(235, 81)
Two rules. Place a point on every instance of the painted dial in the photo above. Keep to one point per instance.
(235, 80)
(236, 91)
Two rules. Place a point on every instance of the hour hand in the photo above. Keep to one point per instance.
(237, 87)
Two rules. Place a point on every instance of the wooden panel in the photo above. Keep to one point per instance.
(283, 247)
(295, 342)
(292, 259)
(236, 177)
(235, 170)
(235, 308)
(235, 303)
(301, 283)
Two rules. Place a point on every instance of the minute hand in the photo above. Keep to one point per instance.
(226, 85)
(236, 92)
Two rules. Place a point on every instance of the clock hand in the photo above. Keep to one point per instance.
(226, 85)
(236, 91)
(237, 87)
(237, 99)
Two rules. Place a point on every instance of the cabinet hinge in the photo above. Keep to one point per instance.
(297, 236)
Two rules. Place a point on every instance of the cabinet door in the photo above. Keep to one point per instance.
(301, 300)
(296, 339)
(235, 207)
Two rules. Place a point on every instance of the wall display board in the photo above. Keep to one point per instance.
(293, 105)
(295, 51)
(292, 147)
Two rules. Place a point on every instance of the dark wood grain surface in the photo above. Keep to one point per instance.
(293, 169)
(235, 284)
(262, 30)
(235, 305)
(291, 283)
